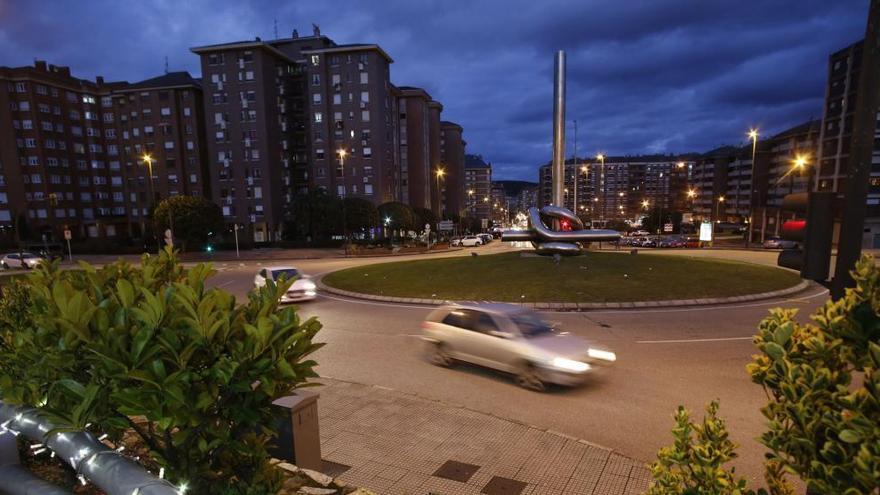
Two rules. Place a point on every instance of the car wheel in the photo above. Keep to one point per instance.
(528, 378)
(440, 356)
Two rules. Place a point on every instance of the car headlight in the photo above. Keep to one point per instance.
(569, 364)
(309, 286)
(603, 355)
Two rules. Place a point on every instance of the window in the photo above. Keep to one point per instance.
(44, 108)
(169, 145)
(368, 189)
(20, 87)
(319, 117)
(215, 59)
(190, 145)
(258, 193)
(316, 60)
(316, 79)
(106, 101)
(165, 111)
(340, 190)
(365, 96)
(364, 78)
(337, 99)
(30, 143)
(365, 115)
(368, 152)
(319, 154)
(42, 90)
(36, 179)
(108, 117)
(249, 75)
(52, 162)
(25, 106)
(27, 124)
(187, 111)
(193, 178)
(33, 161)
(110, 133)
(316, 98)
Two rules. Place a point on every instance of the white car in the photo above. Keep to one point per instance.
(471, 241)
(512, 339)
(24, 260)
(303, 289)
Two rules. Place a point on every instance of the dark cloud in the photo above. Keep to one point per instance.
(660, 76)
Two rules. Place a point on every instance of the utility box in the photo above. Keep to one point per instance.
(299, 439)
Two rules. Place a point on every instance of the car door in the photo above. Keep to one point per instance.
(483, 342)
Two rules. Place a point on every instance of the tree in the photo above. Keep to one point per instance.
(424, 216)
(397, 216)
(360, 214)
(656, 217)
(314, 215)
(193, 219)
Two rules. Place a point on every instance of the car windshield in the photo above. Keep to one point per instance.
(531, 325)
(288, 273)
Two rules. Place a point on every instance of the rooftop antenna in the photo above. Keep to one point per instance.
(166, 64)
(276, 28)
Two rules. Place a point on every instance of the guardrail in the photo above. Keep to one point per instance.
(107, 469)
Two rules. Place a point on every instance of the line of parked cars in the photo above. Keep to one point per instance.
(25, 260)
(471, 240)
(669, 241)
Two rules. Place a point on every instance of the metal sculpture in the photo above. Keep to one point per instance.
(556, 230)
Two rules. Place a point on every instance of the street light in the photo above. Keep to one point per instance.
(601, 159)
(680, 164)
(797, 165)
(753, 135)
(439, 173)
(342, 154)
(149, 161)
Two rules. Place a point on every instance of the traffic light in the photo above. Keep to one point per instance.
(812, 233)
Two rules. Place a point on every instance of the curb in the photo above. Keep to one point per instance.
(581, 307)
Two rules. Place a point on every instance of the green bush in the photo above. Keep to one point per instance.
(106, 346)
(823, 385)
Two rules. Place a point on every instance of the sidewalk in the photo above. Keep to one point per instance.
(397, 443)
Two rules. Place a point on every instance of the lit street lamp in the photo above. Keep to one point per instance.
(753, 135)
(149, 161)
(439, 173)
(799, 164)
(342, 154)
(601, 159)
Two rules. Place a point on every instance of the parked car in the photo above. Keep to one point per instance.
(511, 339)
(779, 243)
(471, 241)
(455, 241)
(486, 238)
(23, 260)
(303, 289)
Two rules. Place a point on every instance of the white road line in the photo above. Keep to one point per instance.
(690, 341)
(224, 284)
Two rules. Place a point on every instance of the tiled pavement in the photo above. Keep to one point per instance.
(394, 443)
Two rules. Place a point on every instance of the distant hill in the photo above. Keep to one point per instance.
(513, 187)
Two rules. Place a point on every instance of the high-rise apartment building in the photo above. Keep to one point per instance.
(452, 150)
(352, 121)
(478, 186)
(158, 124)
(416, 168)
(246, 101)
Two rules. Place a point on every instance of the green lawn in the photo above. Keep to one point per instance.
(595, 277)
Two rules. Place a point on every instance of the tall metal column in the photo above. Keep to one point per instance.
(558, 169)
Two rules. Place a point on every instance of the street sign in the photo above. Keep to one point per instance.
(667, 227)
(68, 235)
(445, 225)
(706, 232)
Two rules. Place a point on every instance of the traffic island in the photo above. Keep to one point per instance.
(595, 281)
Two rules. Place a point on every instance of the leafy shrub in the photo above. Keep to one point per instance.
(823, 384)
(106, 346)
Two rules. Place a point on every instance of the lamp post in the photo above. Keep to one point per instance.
(798, 165)
(753, 135)
(717, 205)
(601, 159)
(440, 173)
(149, 161)
(342, 153)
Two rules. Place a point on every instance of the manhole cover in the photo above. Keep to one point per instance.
(503, 486)
(457, 471)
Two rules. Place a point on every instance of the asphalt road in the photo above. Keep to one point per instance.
(665, 358)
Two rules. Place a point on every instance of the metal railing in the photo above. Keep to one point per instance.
(106, 468)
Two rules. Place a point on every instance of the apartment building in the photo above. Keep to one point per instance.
(250, 132)
(452, 151)
(416, 168)
(841, 97)
(478, 186)
(352, 121)
(158, 124)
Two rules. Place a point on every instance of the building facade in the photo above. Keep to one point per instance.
(478, 186)
(452, 151)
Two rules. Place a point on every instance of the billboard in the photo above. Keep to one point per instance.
(706, 232)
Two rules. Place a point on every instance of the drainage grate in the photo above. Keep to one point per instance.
(503, 486)
(456, 471)
(334, 469)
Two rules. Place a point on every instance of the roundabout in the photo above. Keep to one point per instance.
(597, 280)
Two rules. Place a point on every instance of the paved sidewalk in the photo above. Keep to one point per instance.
(397, 443)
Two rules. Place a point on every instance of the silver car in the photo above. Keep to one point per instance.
(512, 339)
(302, 289)
(23, 260)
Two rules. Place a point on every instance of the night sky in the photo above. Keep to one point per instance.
(644, 76)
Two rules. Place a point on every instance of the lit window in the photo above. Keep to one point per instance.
(319, 117)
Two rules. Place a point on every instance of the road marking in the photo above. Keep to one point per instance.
(689, 341)
(224, 284)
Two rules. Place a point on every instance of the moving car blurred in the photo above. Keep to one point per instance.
(303, 289)
(455, 241)
(471, 241)
(23, 260)
(779, 243)
(512, 339)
